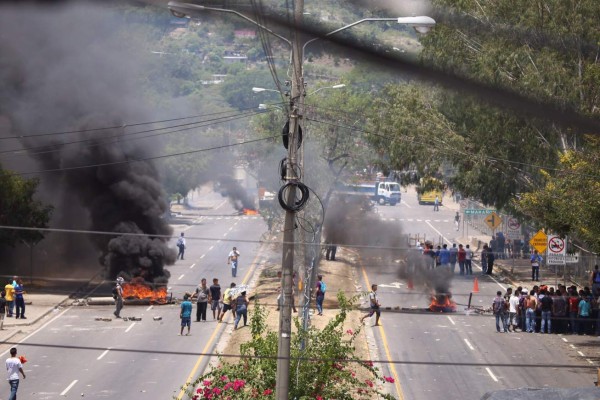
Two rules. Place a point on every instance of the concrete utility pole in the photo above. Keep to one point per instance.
(285, 317)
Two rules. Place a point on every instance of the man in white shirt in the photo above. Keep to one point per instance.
(13, 367)
(374, 306)
(513, 309)
(233, 260)
(468, 260)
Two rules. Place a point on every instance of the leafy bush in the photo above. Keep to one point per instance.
(318, 370)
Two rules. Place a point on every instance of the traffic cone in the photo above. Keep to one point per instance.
(475, 286)
(410, 284)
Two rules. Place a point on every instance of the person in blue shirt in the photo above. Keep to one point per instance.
(445, 257)
(186, 314)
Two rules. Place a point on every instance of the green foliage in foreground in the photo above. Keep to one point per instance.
(317, 370)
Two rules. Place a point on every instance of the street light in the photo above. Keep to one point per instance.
(339, 86)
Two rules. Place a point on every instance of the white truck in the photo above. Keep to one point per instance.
(387, 193)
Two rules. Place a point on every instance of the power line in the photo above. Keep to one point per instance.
(145, 158)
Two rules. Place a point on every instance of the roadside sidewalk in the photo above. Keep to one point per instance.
(39, 308)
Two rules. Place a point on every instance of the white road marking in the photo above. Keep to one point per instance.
(225, 234)
(220, 205)
(101, 356)
(565, 340)
(581, 354)
(406, 204)
(231, 228)
(572, 346)
(169, 288)
(210, 248)
(149, 308)
(64, 392)
(590, 361)
(193, 265)
(469, 345)
(130, 326)
(489, 371)
(202, 256)
(451, 320)
(180, 276)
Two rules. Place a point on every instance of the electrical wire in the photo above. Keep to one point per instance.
(128, 161)
(299, 203)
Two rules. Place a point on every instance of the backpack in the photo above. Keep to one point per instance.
(180, 242)
(115, 293)
(323, 287)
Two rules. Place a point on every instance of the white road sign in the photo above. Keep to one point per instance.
(557, 249)
(513, 229)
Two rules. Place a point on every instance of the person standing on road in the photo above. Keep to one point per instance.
(531, 305)
(499, 309)
(484, 258)
(468, 260)
(375, 306)
(330, 252)
(559, 311)
(513, 310)
(457, 221)
(118, 292)
(186, 314)
(10, 297)
(202, 296)
(321, 287)
(595, 281)
(584, 309)
(453, 257)
(19, 300)
(436, 204)
(461, 257)
(535, 260)
(546, 306)
(215, 299)
(445, 257)
(241, 309)
(13, 367)
(233, 260)
(490, 261)
(181, 246)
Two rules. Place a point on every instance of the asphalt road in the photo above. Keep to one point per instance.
(459, 355)
(74, 355)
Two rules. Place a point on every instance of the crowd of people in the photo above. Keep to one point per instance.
(544, 309)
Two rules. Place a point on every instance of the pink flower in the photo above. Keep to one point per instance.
(369, 383)
(349, 332)
(353, 374)
(369, 363)
(228, 386)
(206, 382)
(238, 384)
(224, 378)
(217, 391)
(267, 392)
(389, 379)
(318, 398)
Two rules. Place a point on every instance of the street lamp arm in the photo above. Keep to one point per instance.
(183, 7)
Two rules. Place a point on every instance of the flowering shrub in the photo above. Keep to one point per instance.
(317, 371)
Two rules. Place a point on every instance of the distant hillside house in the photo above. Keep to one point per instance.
(245, 33)
(235, 59)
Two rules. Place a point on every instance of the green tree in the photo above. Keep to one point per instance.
(19, 208)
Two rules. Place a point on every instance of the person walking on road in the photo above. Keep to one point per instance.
(186, 315)
(202, 296)
(468, 260)
(228, 301)
(232, 259)
(375, 306)
(490, 261)
(13, 367)
(215, 299)
(241, 309)
(436, 204)
(536, 260)
(499, 309)
(9, 289)
(457, 221)
(181, 246)
(118, 295)
(321, 288)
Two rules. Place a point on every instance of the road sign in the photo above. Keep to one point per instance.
(464, 203)
(513, 229)
(556, 250)
(474, 211)
(572, 258)
(493, 220)
(539, 241)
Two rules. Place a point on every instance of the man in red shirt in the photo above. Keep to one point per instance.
(461, 257)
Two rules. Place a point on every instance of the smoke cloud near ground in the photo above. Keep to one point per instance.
(237, 195)
(350, 221)
(63, 69)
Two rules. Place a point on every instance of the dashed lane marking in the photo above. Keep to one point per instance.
(64, 392)
(581, 354)
(130, 326)
(469, 345)
(565, 340)
(101, 356)
(180, 276)
(193, 265)
(210, 248)
(451, 320)
(202, 256)
(489, 371)
(149, 308)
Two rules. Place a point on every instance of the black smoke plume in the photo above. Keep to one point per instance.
(237, 195)
(65, 69)
(350, 221)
